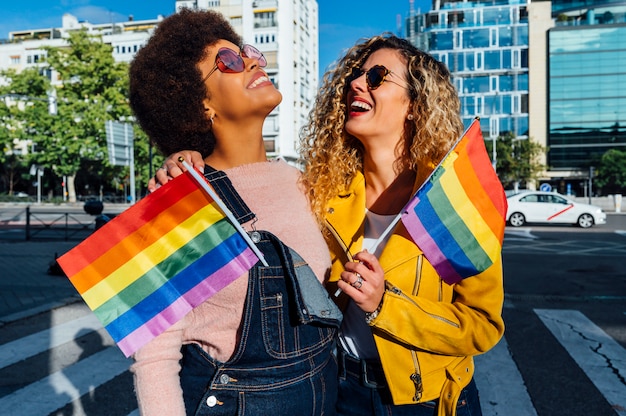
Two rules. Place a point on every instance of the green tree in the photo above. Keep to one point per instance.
(610, 174)
(24, 99)
(517, 160)
(94, 89)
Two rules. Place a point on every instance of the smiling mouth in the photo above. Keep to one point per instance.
(360, 106)
(259, 81)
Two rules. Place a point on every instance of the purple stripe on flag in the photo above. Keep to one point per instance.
(207, 265)
(181, 306)
(429, 247)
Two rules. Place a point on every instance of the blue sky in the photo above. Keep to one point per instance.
(342, 23)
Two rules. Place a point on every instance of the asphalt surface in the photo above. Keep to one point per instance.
(26, 287)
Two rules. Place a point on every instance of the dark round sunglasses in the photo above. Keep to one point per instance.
(375, 76)
(230, 62)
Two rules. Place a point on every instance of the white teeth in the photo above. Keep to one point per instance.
(258, 81)
(361, 104)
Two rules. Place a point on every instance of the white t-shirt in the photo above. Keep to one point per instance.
(355, 335)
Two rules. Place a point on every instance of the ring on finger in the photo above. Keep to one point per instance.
(358, 282)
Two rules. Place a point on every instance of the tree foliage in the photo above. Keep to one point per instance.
(517, 160)
(610, 174)
(93, 88)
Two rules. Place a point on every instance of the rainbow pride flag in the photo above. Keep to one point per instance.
(148, 267)
(457, 217)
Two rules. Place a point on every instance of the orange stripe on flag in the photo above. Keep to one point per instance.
(132, 244)
(101, 242)
(472, 185)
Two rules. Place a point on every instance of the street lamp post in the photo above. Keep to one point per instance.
(494, 130)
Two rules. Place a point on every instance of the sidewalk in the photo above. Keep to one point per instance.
(26, 287)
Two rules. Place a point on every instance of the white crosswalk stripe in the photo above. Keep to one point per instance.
(601, 358)
(501, 384)
(599, 355)
(23, 348)
(61, 387)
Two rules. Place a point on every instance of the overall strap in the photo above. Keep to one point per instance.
(224, 188)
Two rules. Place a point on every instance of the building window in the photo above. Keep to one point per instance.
(15, 60)
(265, 19)
(493, 37)
(476, 38)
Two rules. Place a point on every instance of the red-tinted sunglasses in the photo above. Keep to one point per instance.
(230, 62)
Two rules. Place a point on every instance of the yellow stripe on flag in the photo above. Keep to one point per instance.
(466, 210)
(132, 270)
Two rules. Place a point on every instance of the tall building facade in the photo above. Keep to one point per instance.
(25, 48)
(485, 46)
(286, 31)
(552, 71)
(587, 83)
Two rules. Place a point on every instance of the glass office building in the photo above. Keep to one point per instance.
(485, 46)
(587, 83)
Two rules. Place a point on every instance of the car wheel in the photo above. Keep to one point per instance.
(517, 219)
(585, 221)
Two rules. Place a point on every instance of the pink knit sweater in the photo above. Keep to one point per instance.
(272, 192)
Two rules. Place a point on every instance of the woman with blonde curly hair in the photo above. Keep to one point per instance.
(386, 115)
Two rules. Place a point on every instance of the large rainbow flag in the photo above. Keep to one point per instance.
(457, 217)
(148, 267)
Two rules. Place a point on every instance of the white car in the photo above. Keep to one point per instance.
(551, 208)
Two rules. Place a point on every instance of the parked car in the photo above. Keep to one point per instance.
(551, 208)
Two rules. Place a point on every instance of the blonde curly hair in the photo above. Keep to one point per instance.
(331, 156)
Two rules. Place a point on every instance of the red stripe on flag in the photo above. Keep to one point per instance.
(135, 243)
(480, 182)
(484, 169)
(149, 207)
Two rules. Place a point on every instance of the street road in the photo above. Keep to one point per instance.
(563, 353)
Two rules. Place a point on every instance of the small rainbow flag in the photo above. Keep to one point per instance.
(457, 217)
(148, 267)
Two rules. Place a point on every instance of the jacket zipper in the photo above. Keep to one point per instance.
(343, 245)
(399, 292)
(416, 377)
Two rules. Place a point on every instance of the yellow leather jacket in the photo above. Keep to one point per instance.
(426, 331)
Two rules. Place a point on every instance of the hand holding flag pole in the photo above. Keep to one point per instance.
(398, 217)
(457, 217)
(203, 183)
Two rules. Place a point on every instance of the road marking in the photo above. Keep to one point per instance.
(601, 357)
(23, 348)
(523, 233)
(500, 383)
(62, 387)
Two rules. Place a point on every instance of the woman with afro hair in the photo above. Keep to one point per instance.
(262, 345)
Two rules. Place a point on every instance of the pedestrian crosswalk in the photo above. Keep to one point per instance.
(71, 367)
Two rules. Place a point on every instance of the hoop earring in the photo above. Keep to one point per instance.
(409, 117)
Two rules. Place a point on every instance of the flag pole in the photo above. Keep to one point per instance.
(399, 216)
(203, 183)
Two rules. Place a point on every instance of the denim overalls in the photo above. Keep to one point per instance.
(283, 364)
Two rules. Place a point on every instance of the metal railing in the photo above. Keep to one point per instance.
(47, 225)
